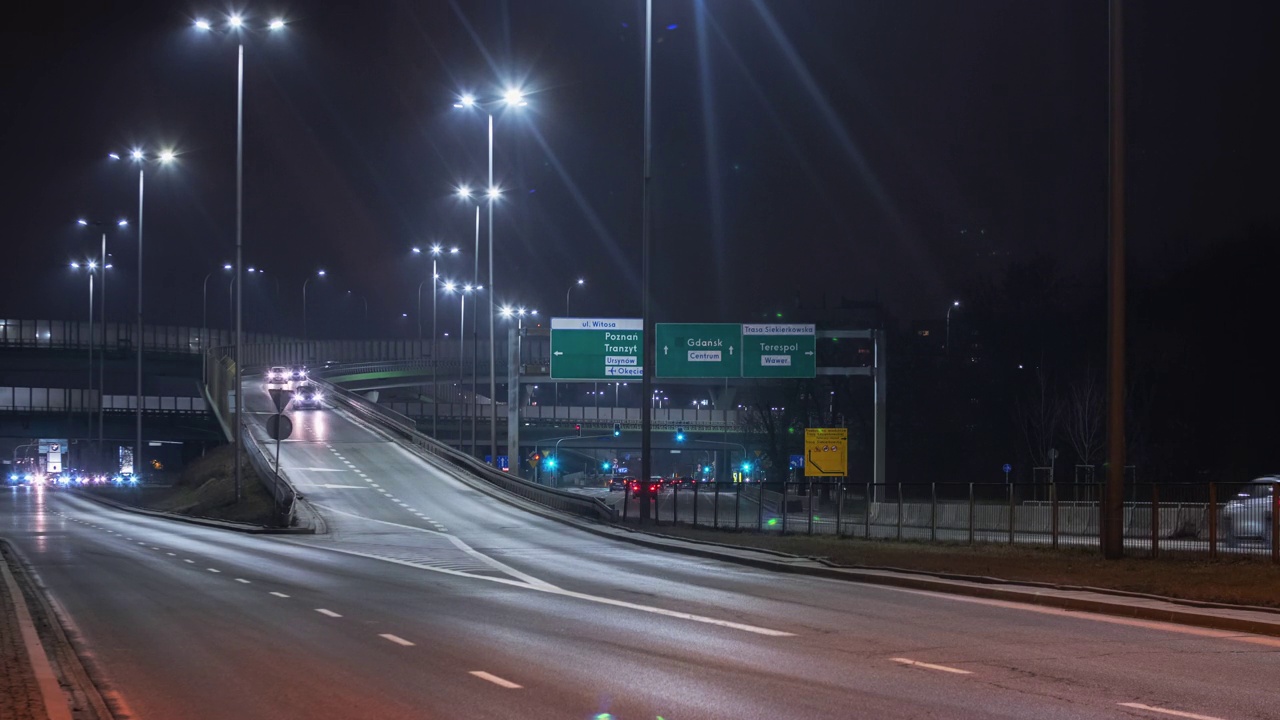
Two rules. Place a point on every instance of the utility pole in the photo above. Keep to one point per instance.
(1113, 515)
(646, 374)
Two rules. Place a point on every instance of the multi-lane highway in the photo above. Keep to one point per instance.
(428, 598)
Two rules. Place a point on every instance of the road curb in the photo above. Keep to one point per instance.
(193, 520)
(1005, 590)
(77, 688)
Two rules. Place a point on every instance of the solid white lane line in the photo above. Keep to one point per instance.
(495, 680)
(1166, 711)
(540, 585)
(1082, 615)
(930, 666)
(278, 594)
(213, 570)
(396, 639)
(242, 580)
(328, 613)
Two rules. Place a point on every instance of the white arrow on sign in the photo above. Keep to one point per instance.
(730, 349)
(665, 349)
(808, 352)
(557, 353)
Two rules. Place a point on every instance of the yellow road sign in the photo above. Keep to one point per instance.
(826, 452)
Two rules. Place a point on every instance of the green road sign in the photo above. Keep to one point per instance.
(776, 350)
(596, 348)
(698, 350)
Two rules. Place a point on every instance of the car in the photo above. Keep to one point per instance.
(619, 483)
(277, 375)
(307, 397)
(297, 374)
(650, 487)
(685, 482)
(1249, 514)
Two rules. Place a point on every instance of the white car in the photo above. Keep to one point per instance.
(278, 375)
(1249, 514)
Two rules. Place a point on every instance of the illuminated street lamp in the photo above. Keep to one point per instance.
(436, 251)
(511, 97)
(946, 346)
(580, 282)
(141, 158)
(236, 23)
(204, 322)
(104, 261)
(319, 273)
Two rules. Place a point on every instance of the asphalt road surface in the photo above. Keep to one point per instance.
(429, 599)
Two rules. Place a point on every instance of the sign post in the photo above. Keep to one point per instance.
(698, 350)
(826, 452)
(774, 350)
(596, 348)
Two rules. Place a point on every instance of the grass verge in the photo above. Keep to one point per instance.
(205, 488)
(1243, 581)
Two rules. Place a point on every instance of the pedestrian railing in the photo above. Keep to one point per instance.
(1205, 519)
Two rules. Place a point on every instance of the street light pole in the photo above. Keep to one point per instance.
(947, 343)
(319, 273)
(237, 429)
(137, 447)
(493, 383)
(566, 294)
(475, 340)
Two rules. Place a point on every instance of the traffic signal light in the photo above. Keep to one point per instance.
(679, 434)
(604, 465)
(617, 430)
(746, 467)
(550, 463)
(578, 428)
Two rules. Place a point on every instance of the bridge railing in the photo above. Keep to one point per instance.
(64, 334)
(25, 399)
(406, 429)
(283, 494)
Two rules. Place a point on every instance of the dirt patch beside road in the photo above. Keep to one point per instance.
(1243, 581)
(206, 488)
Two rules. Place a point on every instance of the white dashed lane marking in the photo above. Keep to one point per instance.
(1166, 711)
(328, 613)
(278, 594)
(242, 580)
(930, 666)
(495, 680)
(396, 639)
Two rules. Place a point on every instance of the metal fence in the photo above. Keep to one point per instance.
(406, 429)
(118, 336)
(1204, 519)
(24, 399)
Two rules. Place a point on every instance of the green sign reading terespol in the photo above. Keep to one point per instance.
(698, 350)
(597, 348)
(779, 350)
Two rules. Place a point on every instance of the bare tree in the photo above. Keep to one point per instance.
(1085, 418)
(1039, 416)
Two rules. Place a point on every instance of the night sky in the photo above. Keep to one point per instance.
(882, 149)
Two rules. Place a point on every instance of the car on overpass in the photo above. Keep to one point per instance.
(1249, 515)
(277, 375)
(307, 397)
(297, 374)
